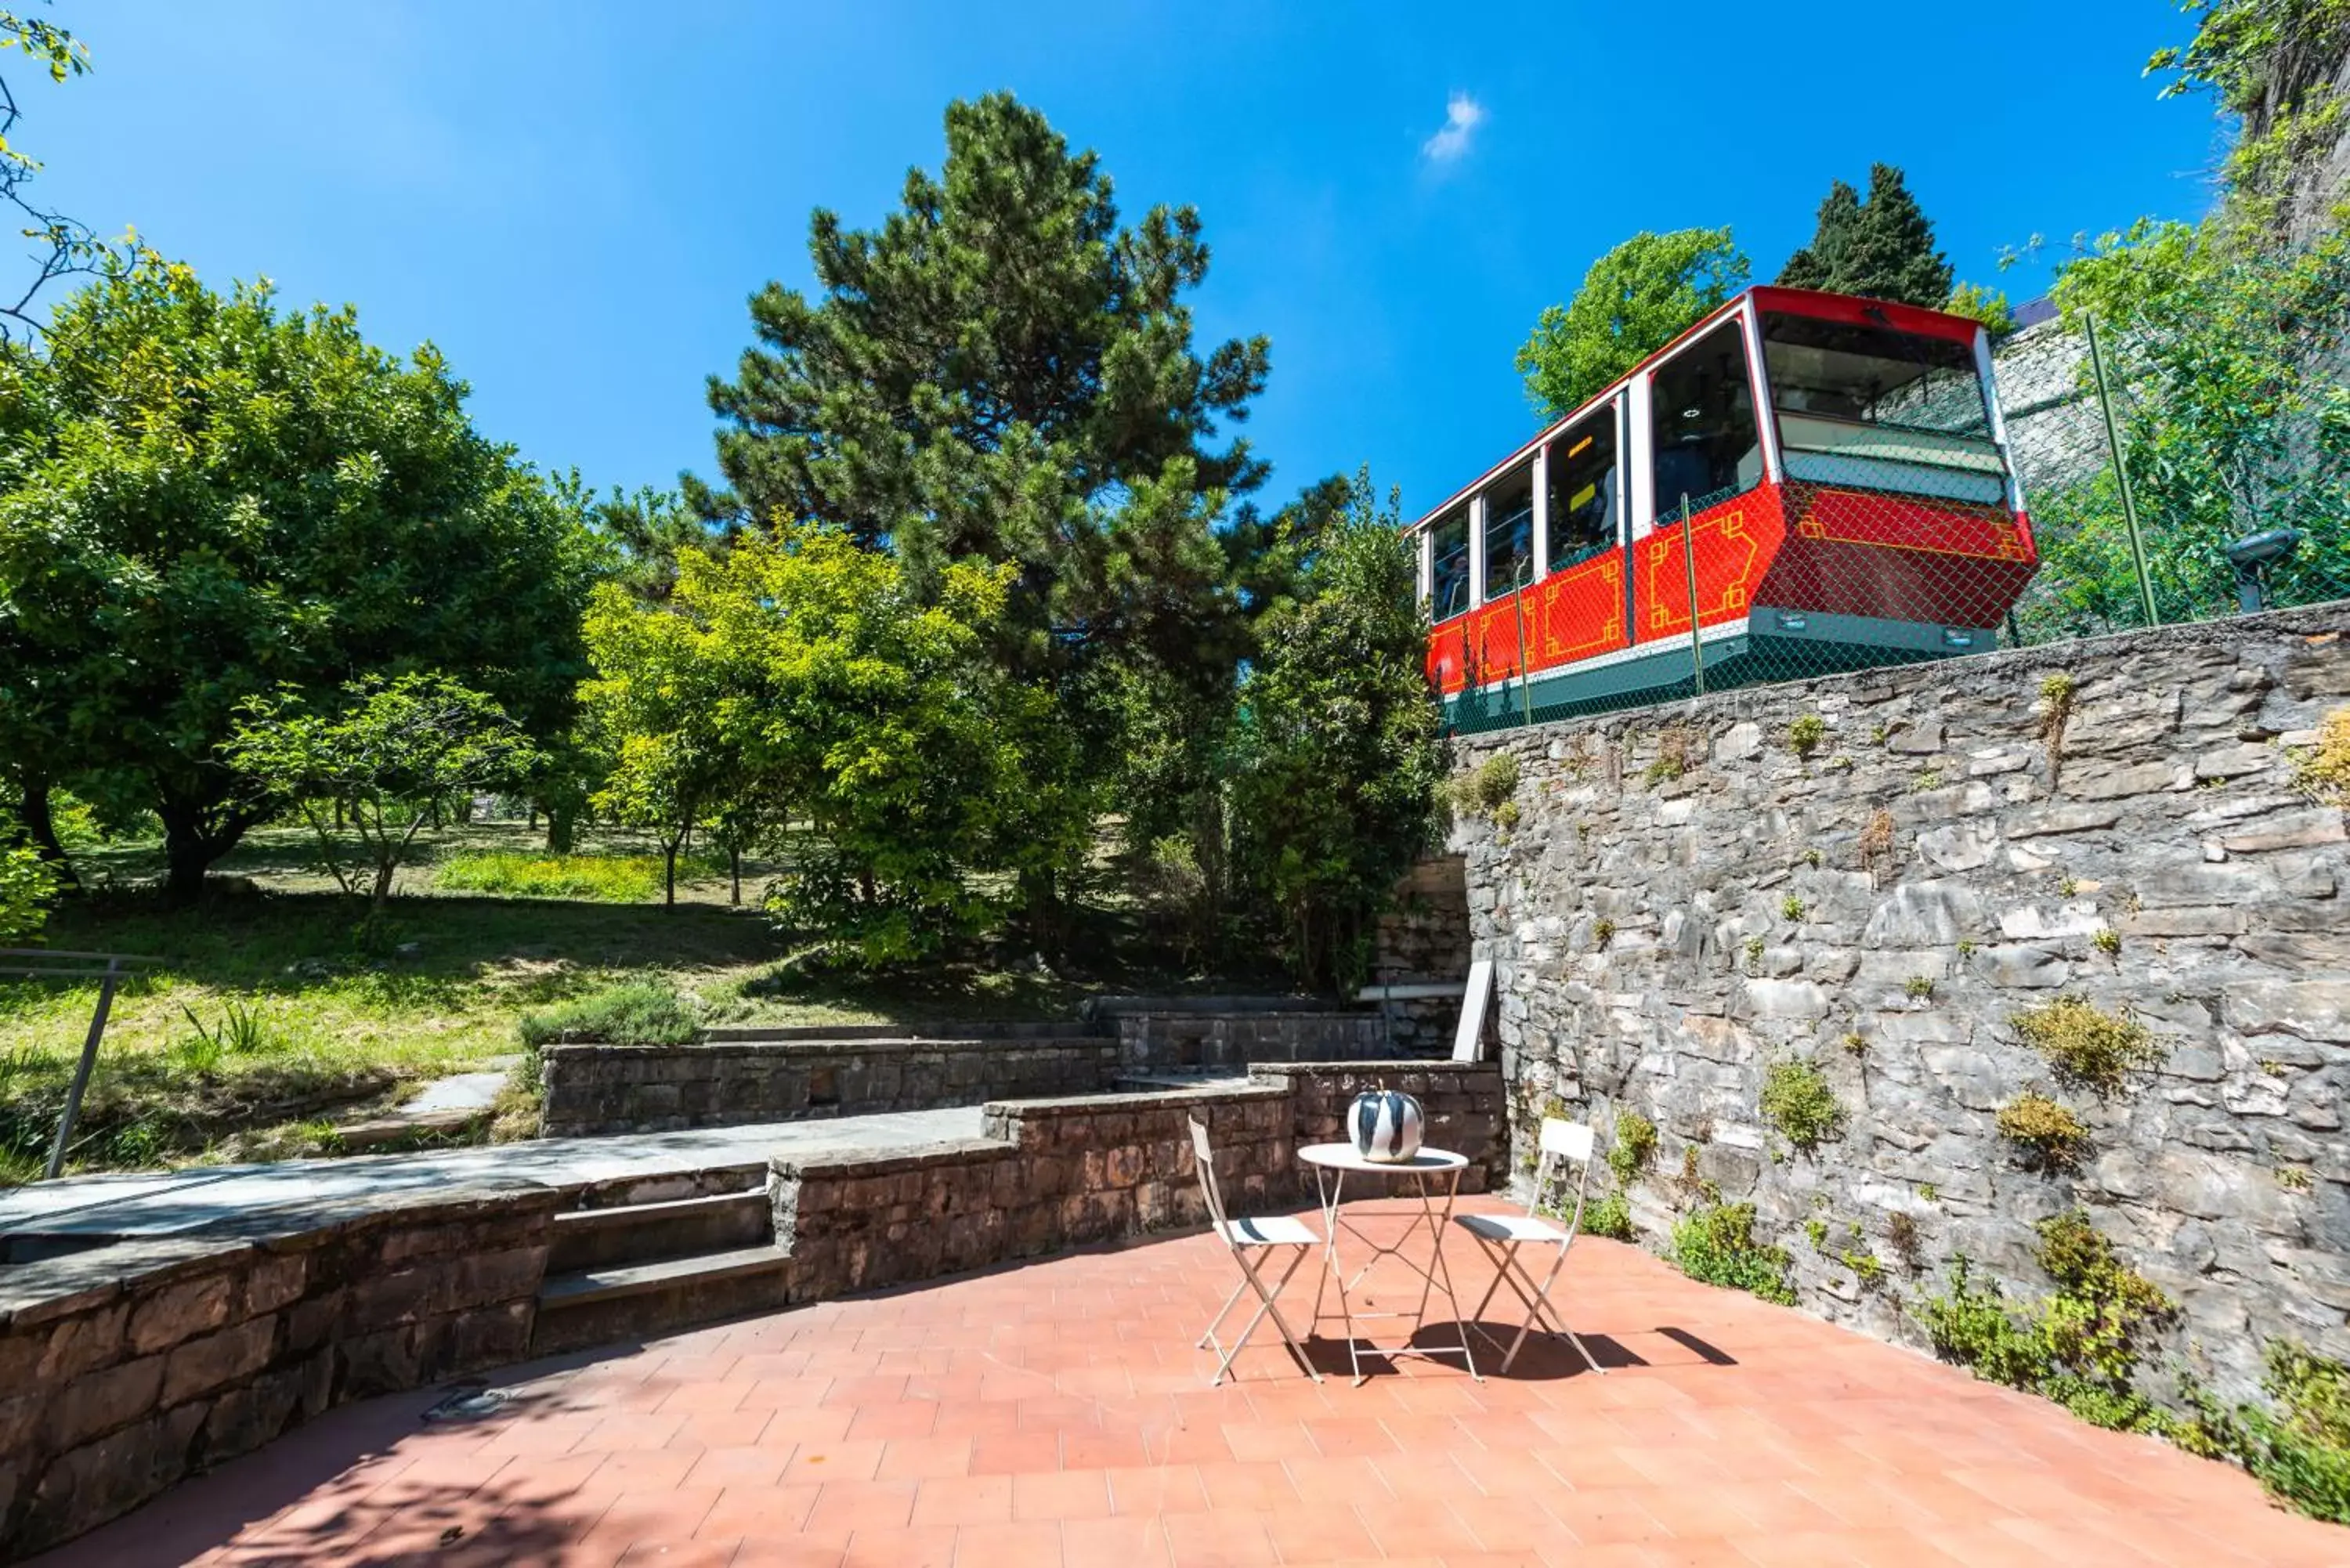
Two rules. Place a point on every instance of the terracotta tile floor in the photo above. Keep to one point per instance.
(1055, 1414)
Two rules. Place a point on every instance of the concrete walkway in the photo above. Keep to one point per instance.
(165, 1202)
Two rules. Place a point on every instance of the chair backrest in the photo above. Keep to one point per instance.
(1468, 1035)
(1563, 1143)
(1204, 1157)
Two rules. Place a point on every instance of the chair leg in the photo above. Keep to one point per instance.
(1222, 1312)
(1265, 1307)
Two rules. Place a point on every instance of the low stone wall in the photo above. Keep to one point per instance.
(1050, 1174)
(1465, 1102)
(596, 1089)
(129, 1366)
(1184, 1041)
(1689, 900)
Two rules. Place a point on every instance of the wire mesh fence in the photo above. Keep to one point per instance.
(2184, 459)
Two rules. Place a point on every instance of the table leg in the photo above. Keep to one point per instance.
(1332, 1193)
(1439, 1225)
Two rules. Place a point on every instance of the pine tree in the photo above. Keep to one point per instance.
(1881, 248)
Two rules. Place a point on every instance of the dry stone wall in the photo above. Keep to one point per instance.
(125, 1368)
(1687, 899)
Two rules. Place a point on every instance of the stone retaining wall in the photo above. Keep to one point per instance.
(127, 1367)
(1465, 1102)
(1184, 1041)
(1688, 900)
(596, 1089)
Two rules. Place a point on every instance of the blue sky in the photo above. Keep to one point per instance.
(573, 198)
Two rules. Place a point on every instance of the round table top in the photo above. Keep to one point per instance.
(1346, 1157)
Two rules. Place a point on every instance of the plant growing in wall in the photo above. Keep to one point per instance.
(1610, 1216)
(2055, 713)
(1804, 733)
(1797, 1101)
(2050, 1137)
(1716, 1245)
(2087, 1045)
(1877, 842)
(2080, 1347)
(1486, 788)
(2298, 1450)
(1635, 1142)
(2323, 771)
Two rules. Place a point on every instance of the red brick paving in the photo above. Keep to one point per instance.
(1055, 1414)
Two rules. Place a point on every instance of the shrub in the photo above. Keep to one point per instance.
(638, 1013)
(1919, 986)
(1610, 1217)
(1797, 1101)
(1636, 1140)
(2080, 1347)
(2051, 1137)
(1674, 745)
(1716, 1246)
(2300, 1451)
(1791, 907)
(1804, 733)
(1485, 787)
(2107, 942)
(2087, 1046)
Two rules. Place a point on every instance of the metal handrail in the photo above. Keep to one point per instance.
(108, 969)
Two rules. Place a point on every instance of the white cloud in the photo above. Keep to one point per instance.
(1462, 116)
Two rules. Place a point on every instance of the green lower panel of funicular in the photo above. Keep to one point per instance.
(1773, 645)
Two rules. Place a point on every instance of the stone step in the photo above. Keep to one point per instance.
(598, 1306)
(587, 1238)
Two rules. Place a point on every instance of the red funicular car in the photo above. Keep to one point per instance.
(1827, 476)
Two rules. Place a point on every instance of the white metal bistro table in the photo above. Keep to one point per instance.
(1435, 1173)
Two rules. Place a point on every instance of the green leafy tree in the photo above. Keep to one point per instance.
(1004, 371)
(1988, 305)
(2218, 336)
(1881, 248)
(1339, 752)
(27, 886)
(61, 248)
(205, 499)
(2276, 65)
(648, 530)
(653, 703)
(390, 756)
(1635, 299)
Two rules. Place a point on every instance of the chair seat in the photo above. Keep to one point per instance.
(1273, 1231)
(1509, 1228)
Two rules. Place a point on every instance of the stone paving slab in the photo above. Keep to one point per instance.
(170, 1202)
(1057, 1416)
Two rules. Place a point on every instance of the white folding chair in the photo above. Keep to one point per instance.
(1250, 1240)
(1563, 1143)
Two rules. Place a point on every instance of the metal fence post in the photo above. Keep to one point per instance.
(1688, 561)
(2121, 470)
(82, 1069)
(1525, 663)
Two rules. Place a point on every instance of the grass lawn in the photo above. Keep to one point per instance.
(272, 1018)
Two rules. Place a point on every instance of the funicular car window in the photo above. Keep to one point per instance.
(1510, 534)
(1583, 487)
(1450, 580)
(1870, 408)
(1707, 448)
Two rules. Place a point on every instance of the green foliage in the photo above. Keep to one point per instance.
(1988, 305)
(1918, 987)
(2080, 1347)
(1610, 1216)
(2087, 1045)
(2051, 1137)
(1797, 1101)
(2323, 771)
(1635, 1144)
(1339, 756)
(637, 1013)
(1816, 1229)
(604, 878)
(2107, 942)
(1715, 1244)
(2273, 63)
(1635, 299)
(1603, 931)
(1791, 907)
(1486, 787)
(1881, 248)
(2300, 1449)
(390, 755)
(1804, 733)
(27, 886)
(2216, 338)
(205, 500)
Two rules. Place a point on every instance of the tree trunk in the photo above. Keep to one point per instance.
(384, 872)
(561, 823)
(42, 829)
(668, 874)
(196, 832)
(734, 870)
(1044, 914)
